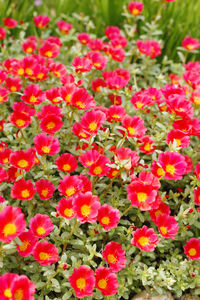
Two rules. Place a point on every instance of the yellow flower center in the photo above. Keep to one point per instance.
(163, 230)
(22, 163)
(190, 47)
(141, 197)
(131, 130)
(66, 167)
(85, 210)
(135, 12)
(143, 241)
(102, 283)
(40, 75)
(29, 50)
(33, 99)
(24, 246)
(178, 142)
(147, 147)
(48, 54)
(46, 149)
(20, 71)
(68, 212)
(29, 71)
(25, 194)
(170, 169)
(19, 295)
(93, 126)
(105, 220)
(160, 172)
(7, 293)
(13, 88)
(158, 213)
(45, 192)
(97, 65)
(20, 122)
(81, 283)
(111, 259)
(80, 104)
(40, 230)
(68, 98)
(9, 229)
(192, 252)
(97, 170)
(44, 256)
(51, 125)
(70, 191)
(115, 116)
(139, 104)
(55, 100)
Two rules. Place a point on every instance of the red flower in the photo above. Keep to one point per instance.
(3, 175)
(114, 255)
(3, 94)
(41, 21)
(45, 144)
(22, 288)
(49, 50)
(99, 61)
(49, 110)
(108, 216)
(112, 31)
(64, 27)
(67, 91)
(115, 113)
(44, 188)
(23, 190)
(23, 160)
(170, 165)
(197, 171)
(182, 140)
(97, 84)
(82, 281)
(58, 69)
(180, 106)
(161, 209)
(106, 281)
(33, 95)
(167, 226)
(92, 121)
(13, 84)
(28, 241)
(53, 95)
(197, 195)
(115, 99)
(6, 281)
(82, 100)
(10, 23)
(45, 253)
(29, 46)
(12, 223)
(2, 33)
(149, 48)
(99, 167)
(147, 146)
(86, 207)
(82, 64)
(83, 38)
(192, 248)
(70, 185)
(51, 124)
(66, 163)
(88, 158)
(126, 158)
(145, 239)
(135, 8)
(15, 287)
(190, 43)
(142, 195)
(134, 126)
(20, 120)
(41, 225)
(4, 156)
(65, 208)
(80, 131)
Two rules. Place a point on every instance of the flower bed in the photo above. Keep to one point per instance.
(99, 154)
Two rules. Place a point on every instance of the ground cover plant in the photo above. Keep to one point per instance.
(99, 160)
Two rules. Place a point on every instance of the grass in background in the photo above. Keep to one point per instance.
(179, 18)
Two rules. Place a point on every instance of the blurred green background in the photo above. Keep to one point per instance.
(179, 18)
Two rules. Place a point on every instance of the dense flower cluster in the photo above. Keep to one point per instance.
(80, 148)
